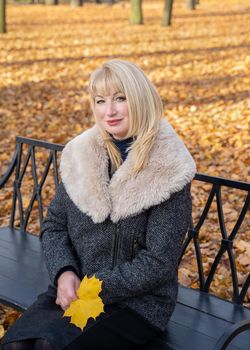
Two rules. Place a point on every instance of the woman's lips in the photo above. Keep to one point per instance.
(113, 121)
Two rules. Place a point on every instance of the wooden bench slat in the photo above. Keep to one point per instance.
(212, 305)
(22, 252)
(183, 332)
(20, 257)
(15, 270)
(200, 321)
(205, 324)
(23, 274)
(24, 238)
(179, 337)
(19, 297)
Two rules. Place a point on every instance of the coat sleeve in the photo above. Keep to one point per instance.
(157, 264)
(57, 248)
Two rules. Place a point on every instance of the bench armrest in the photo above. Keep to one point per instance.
(9, 171)
(231, 333)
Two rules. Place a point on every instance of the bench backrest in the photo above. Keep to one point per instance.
(225, 238)
(32, 164)
(34, 167)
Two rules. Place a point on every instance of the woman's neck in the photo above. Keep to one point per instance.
(123, 145)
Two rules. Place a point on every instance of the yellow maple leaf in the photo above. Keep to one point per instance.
(1, 332)
(88, 304)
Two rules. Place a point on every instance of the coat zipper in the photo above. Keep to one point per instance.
(116, 245)
(134, 246)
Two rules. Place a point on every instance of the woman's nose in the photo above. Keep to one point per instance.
(110, 109)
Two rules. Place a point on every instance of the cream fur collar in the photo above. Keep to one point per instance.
(84, 172)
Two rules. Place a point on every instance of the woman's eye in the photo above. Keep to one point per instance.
(120, 98)
(99, 101)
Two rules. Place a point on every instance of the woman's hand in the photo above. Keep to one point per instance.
(67, 285)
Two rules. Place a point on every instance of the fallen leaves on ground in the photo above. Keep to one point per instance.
(200, 65)
(8, 317)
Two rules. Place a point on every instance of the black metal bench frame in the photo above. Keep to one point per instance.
(23, 274)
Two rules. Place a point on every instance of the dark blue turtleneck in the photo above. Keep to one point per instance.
(122, 145)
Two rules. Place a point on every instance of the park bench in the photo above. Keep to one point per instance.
(201, 321)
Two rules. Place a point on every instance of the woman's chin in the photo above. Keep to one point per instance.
(116, 132)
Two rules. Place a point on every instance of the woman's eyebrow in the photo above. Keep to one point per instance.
(116, 93)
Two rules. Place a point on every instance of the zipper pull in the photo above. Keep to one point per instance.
(135, 240)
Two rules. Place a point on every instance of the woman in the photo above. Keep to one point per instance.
(121, 213)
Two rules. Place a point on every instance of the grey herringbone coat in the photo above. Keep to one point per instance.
(128, 230)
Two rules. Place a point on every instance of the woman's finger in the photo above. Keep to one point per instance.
(62, 302)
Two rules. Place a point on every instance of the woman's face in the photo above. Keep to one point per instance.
(112, 113)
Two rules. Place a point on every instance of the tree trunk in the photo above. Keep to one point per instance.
(51, 2)
(167, 12)
(136, 16)
(197, 2)
(2, 16)
(111, 2)
(76, 3)
(191, 4)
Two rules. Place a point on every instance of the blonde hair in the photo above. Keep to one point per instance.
(144, 106)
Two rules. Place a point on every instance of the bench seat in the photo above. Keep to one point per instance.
(199, 320)
(23, 274)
